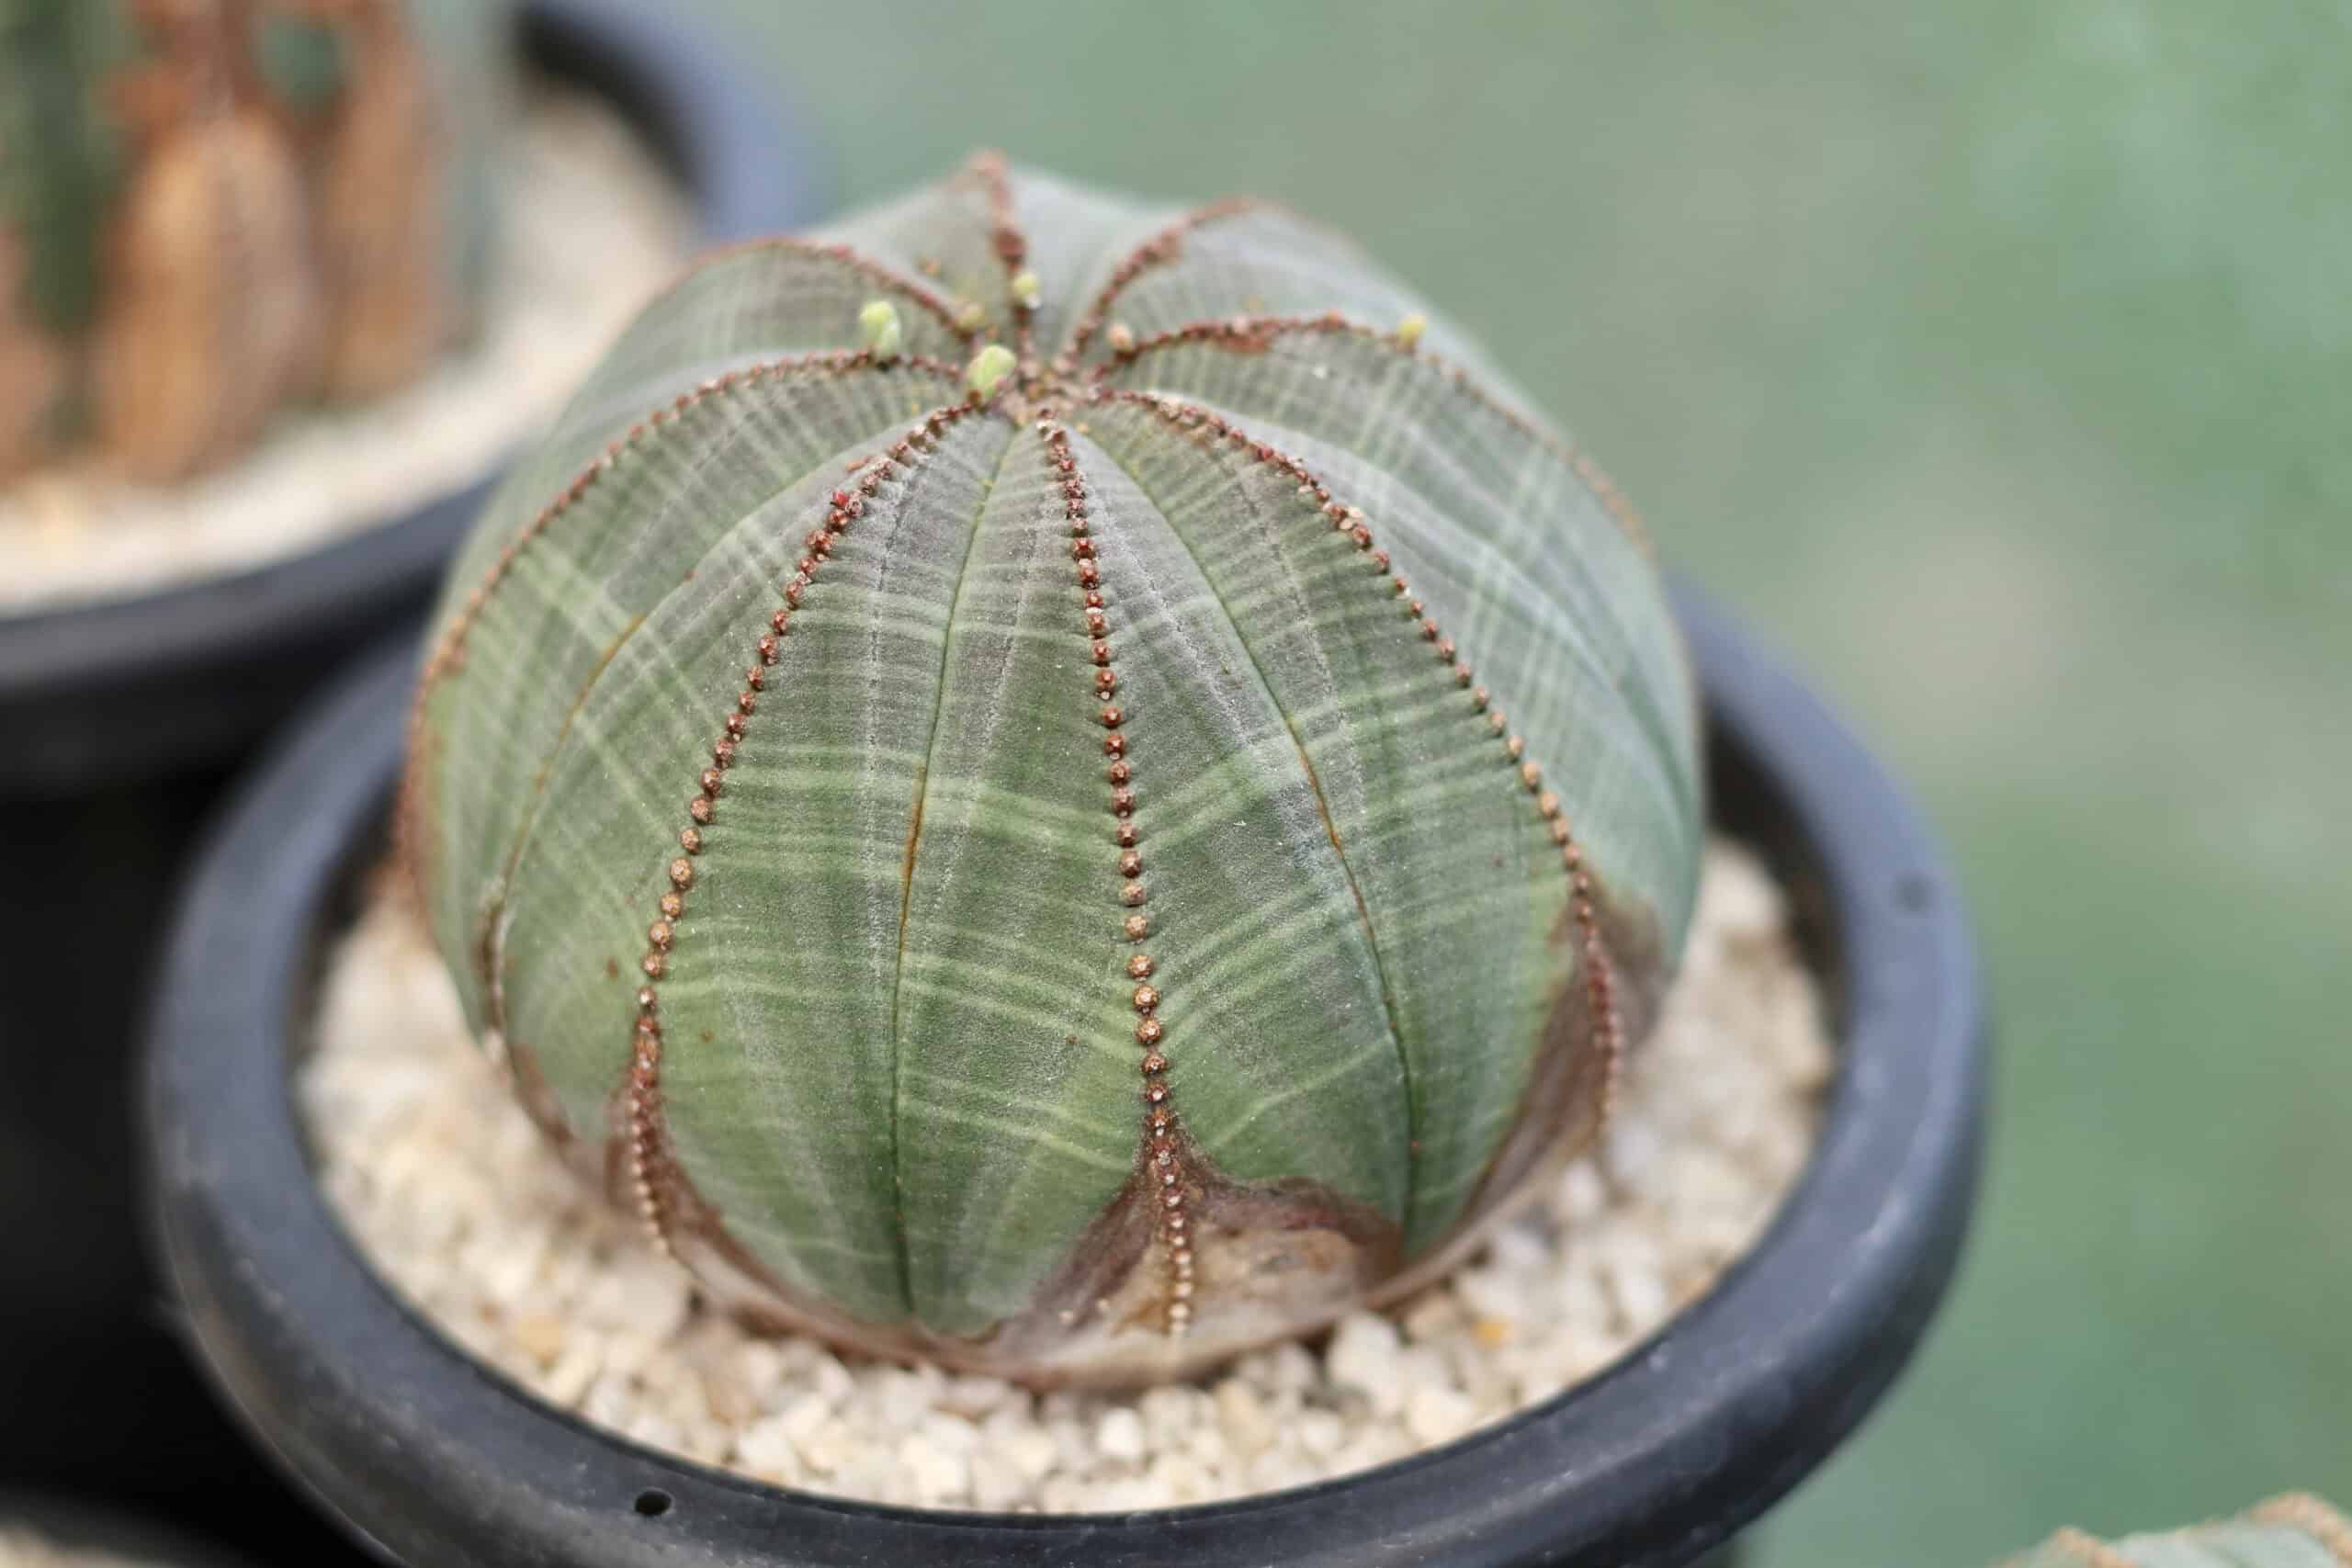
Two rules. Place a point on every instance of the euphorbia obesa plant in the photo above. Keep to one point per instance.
(1059, 786)
(211, 207)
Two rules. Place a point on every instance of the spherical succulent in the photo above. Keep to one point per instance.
(1056, 785)
(211, 207)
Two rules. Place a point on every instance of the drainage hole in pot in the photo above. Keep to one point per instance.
(1915, 892)
(652, 1502)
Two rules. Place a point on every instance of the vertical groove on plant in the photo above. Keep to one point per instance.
(650, 1166)
(1159, 1138)
(1347, 871)
(901, 1240)
(1607, 1026)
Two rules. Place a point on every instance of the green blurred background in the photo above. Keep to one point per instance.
(1996, 360)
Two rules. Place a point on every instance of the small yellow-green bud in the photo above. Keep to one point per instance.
(1027, 289)
(883, 334)
(989, 368)
(971, 317)
(1409, 330)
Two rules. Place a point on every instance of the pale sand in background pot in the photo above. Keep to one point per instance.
(23, 1549)
(593, 226)
(459, 1202)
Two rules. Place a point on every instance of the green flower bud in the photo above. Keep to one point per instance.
(880, 322)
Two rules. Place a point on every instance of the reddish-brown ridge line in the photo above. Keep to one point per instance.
(648, 1158)
(878, 272)
(1161, 1158)
(449, 650)
(2302, 1511)
(1011, 247)
(2088, 1550)
(1348, 521)
(1253, 334)
(1160, 248)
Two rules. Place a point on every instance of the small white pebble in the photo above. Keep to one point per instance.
(767, 1449)
(540, 1336)
(1436, 1414)
(1119, 1435)
(1320, 1432)
(1030, 1451)
(1362, 1361)
(939, 1476)
(998, 1484)
(1248, 1428)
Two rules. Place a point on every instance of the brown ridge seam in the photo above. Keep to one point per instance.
(1011, 247)
(1163, 1165)
(2302, 1511)
(1157, 251)
(2089, 1550)
(873, 271)
(1330, 830)
(448, 652)
(1349, 522)
(649, 1156)
(1255, 332)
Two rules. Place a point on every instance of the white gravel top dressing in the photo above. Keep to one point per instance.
(456, 1198)
(591, 227)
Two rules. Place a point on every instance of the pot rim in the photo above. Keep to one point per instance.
(63, 669)
(418, 1447)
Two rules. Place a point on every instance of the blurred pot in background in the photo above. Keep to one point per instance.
(281, 284)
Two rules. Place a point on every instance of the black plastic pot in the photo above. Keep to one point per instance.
(119, 726)
(444, 1463)
(101, 694)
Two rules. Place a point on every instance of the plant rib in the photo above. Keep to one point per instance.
(1253, 334)
(448, 651)
(1011, 247)
(650, 1163)
(1159, 249)
(907, 872)
(1606, 1024)
(2302, 1511)
(1165, 1184)
(878, 273)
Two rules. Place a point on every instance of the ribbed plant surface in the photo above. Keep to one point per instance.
(1058, 784)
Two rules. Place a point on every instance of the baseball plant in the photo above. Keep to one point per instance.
(1058, 786)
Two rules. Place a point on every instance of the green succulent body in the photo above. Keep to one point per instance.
(2297, 1531)
(1039, 786)
(210, 210)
